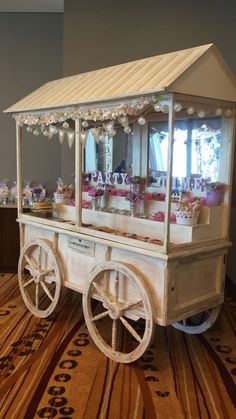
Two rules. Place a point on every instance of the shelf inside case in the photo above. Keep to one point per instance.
(210, 223)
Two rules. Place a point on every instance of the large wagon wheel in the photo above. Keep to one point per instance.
(199, 323)
(40, 286)
(115, 310)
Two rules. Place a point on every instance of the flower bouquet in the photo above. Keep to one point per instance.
(187, 213)
(36, 193)
(63, 193)
(214, 191)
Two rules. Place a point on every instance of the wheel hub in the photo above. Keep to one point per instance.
(114, 311)
(37, 277)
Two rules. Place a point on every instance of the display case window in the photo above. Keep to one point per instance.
(196, 150)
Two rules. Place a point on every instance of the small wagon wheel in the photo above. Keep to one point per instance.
(116, 313)
(40, 287)
(199, 323)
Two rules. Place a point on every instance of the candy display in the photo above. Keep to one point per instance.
(129, 235)
(4, 191)
(138, 238)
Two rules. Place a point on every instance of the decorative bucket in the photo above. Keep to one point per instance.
(213, 197)
(61, 198)
(187, 217)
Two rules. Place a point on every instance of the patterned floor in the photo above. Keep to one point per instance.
(50, 368)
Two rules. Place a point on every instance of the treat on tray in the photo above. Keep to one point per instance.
(41, 205)
(134, 236)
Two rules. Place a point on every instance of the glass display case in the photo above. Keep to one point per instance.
(143, 226)
(125, 180)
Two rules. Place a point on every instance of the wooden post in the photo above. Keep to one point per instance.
(78, 174)
(228, 176)
(19, 167)
(169, 175)
(136, 155)
(189, 148)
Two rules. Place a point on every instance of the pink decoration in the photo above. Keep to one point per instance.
(121, 192)
(96, 192)
(159, 196)
(173, 218)
(159, 216)
(203, 201)
(148, 196)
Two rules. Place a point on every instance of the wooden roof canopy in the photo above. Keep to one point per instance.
(199, 71)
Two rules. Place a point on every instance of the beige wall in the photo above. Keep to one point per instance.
(31, 54)
(106, 32)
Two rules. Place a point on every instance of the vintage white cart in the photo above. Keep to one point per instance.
(169, 120)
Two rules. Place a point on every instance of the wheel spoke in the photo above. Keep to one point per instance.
(28, 282)
(31, 270)
(39, 256)
(117, 284)
(131, 329)
(102, 293)
(114, 334)
(30, 263)
(99, 316)
(37, 296)
(130, 306)
(48, 271)
(46, 290)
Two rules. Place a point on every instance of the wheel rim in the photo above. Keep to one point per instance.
(199, 323)
(40, 287)
(108, 284)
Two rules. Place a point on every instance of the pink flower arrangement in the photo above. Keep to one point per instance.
(153, 196)
(134, 197)
(159, 196)
(148, 196)
(159, 216)
(203, 201)
(85, 203)
(215, 186)
(117, 192)
(96, 192)
(172, 218)
(121, 192)
(112, 191)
